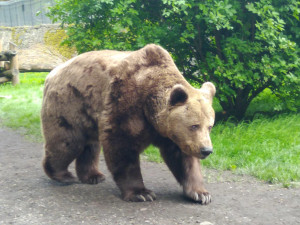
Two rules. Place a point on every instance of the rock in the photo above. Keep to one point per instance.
(38, 47)
(206, 223)
(39, 58)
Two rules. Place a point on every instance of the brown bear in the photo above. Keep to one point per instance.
(123, 102)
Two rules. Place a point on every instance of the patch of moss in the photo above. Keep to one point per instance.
(16, 34)
(54, 38)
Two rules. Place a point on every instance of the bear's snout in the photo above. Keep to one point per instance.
(206, 151)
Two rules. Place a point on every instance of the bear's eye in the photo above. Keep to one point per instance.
(209, 128)
(194, 127)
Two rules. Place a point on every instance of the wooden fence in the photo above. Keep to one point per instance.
(9, 66)
(24, 12)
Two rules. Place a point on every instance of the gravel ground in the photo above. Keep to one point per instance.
(27, 196)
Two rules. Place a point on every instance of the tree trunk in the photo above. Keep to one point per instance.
(237, 109)
(240, 110)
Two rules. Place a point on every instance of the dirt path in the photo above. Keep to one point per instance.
(27, 196)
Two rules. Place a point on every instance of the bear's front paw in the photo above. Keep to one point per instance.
(202, 197)
(139, 196)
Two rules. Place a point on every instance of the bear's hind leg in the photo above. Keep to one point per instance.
(56, 167)
(61, 148)
(87, 164)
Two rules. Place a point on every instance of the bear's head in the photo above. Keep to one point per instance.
(190, 119)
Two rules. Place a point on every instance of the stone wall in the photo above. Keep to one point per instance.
(39, 47)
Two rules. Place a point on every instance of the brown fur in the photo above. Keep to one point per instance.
(124, 101)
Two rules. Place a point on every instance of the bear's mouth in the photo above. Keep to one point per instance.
(203, 156)
(199, 155)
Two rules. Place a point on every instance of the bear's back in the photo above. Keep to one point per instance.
(86, 64)
(87, 72)
(82, 83)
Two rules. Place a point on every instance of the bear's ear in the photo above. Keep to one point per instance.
(208, 90)
(178, 95)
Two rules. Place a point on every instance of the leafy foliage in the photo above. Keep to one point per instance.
(242, 46)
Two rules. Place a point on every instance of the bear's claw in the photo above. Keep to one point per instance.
(202, 198)
(141, 196)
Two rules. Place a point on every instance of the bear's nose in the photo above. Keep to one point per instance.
(206, 151)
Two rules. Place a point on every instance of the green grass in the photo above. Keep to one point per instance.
(267, 148)
(22, 110)
(152, 154)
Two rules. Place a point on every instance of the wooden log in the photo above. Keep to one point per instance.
(8, 74)
(6, 65)
(7, 55)
(14, 65)
(3, 80)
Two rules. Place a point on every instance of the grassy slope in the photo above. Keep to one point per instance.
(266, 148)
(23, 108)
